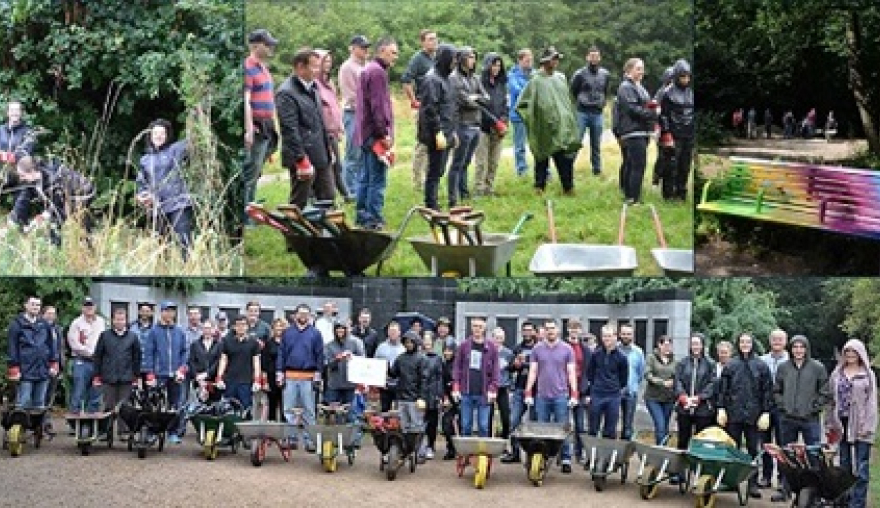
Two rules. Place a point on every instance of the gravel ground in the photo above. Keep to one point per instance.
(56, 475)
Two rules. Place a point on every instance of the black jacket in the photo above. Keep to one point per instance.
(18, 139)
(677, 105)
(437, 99)
(436, 388)
(117, 357)
(370, 337)
(589, 87)
(268, 360)
(466, 85)
(698, 382)
(744, 389)
(302, 125)
(519, 376)
(412, 382)
(447, 377)
(606, 374)
(497, 90)
(634, 117)
(207, 360)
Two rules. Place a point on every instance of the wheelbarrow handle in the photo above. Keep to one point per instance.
(525, 217)
(658, 227)
(463, 228)
(621, 231)
(459, 210)
(551, 221)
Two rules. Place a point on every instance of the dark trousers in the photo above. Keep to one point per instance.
(662, 167)
(179, 222)
(738, 430)
(564, 166)
(680, 169)
(432, 419)
(436, 167)
(321, 182)
(634, 169)
(771, 435)
(503, 402)
(113, 395)
(386, 397)
(605, 409)
(338, 180)
(688, 425)
(456, 182)
(276, 412)
(448, 423)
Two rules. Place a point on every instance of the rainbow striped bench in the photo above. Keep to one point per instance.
(838, 199)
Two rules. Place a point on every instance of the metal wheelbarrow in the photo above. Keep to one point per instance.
(606, 456)
(673, 262)
(583, 260)
(658, 464)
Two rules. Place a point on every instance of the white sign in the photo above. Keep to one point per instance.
(367, 371)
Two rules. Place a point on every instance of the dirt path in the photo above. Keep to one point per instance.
(802, 150)
(56, 475)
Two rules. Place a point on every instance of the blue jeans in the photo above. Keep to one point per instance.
(299, 394)
(84, 397)
(253, 169)
(627, 413)
(517, 412)
(604, 408)
(240, 392)
(580, 426)
(859, 466)
(371, 189)
(32, 394)
(593, 122)
(469, 403)
(519, 147)
(353, 164)
(556, 410)
(661, 413)
(456, 182)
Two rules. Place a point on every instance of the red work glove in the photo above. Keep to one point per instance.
(151, 379)
(13, 373)
(264, 382)
(304, 169)
(53, 369)
(383, 152)
(833, 436)
(652, 104)
(666, 140)
(7, 157)
(500, 127)
(683, 400)
(415, 104)
(97, 381)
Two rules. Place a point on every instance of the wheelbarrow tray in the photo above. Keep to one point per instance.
(266, 430)
(674, 262)
(212, 422)
(712, 457)
(830, 482)
(484, 260)
(352, 252)
(29, 419)
(561, 259)
(606, 448)
(331, 432)
(545, 431)
(479, 445)
(675, 460)
(156, 421)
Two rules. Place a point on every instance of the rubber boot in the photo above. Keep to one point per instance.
(754, 492)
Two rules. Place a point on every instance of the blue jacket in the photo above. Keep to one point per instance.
(142, 332)
(13, 140)
(636, 360)
(31, 348)
(516, 81)
(607, 373)
(161, 176)
(165, 350)
(300, 350)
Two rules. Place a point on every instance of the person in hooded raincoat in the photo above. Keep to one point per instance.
(436, 127)
(678, 127)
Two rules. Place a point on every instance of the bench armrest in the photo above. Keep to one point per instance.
(705, 194)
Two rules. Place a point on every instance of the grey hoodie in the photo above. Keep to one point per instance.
(800, 392)
(863, 411)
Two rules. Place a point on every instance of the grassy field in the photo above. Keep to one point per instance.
(592, 216)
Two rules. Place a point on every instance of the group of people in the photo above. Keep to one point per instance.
(64, 193)
(746, 124)
(464, 110)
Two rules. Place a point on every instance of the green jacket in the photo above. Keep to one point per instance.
(656, 373)
(546, 108)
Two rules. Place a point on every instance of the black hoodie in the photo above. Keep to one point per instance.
(437, 99)
(497, 90)
(466, 85)
(677, 105)
(745, 388)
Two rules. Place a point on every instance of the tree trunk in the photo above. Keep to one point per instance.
(857, 82)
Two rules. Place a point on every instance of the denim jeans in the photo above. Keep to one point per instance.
(84, 397)
(371, 189)
(811, 430)
(627, 413)
(555, 410)
(353, 164)
(469, 404)
(240, 392)
(519, 147)
(580, 426)
(253, 169)
(32, 394)
(341, 397)
(517, 413)
(661, 413)
(456, 182)
(604, 408)
(854, 457)
(593, 122)
(300, 394)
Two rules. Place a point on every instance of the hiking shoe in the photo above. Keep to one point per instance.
(429, 454)
(174, 439)
(566, 468)
(779, 497)
(450, 455)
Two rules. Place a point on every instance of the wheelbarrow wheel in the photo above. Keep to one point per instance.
(705, 498)
(536, 469)
(209, 448)
(624, 473)
(413, 458)
(142, 452)
(14, 438)
(258, 452)
(328, 456)
(38, 436)
(600, 479)
(481, 472)
(806, 497)
(742, 493)
(161, 442)
(649, 485)
(393, 461)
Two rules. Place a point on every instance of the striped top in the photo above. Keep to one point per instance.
(258, 81)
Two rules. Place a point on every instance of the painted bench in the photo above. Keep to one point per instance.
(838, 199)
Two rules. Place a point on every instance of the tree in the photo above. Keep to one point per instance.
(725, 308)
(863, 314)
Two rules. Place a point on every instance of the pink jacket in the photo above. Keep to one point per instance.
(329, 103)
(863, 411)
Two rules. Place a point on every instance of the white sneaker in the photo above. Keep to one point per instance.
(429, 454)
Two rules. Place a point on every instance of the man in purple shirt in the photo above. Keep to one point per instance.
(475, 376)
(374, 132)
(552, 365)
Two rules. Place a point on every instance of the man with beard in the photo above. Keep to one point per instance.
(436, 126)
(368, 335)
(519, 372)
(389, 351)
(677, 126)
(475, 377)
(298, 368)
(744, 394)
(636, 362)
(258, 329)
(141, 328)
(589, 87)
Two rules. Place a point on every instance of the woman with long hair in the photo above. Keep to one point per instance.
(659, 393)
(332, 114)
(694, 391)
(637, 114)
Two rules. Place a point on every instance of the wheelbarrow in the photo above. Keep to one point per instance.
(465, 250)
(325, 244)
(216, 425)
(716, 467)
(607, 456)
(658, 464)
(88, 426)
(542, 442)
(577, 260)
(672, 262)
(333, 435)
(262, 435)
(16, 422)
(479, 452)
(811, 475)
(396, 445)
(148, 419)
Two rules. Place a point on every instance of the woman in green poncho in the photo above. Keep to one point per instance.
(546, 109)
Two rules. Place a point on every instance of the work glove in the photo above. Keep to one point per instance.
(683, 401)
(832, 436)
(764, 421)
(264, 382)
(180, 375)
(219, 384)
(53, 369)
(500, 127)
(304, 169)
(136, 382)
(202, 377)
(279, 379)
(7, 157)
(151, 380)
(415, 104)
(256, 387)
(384, 153)
(666, 140)
(420, 404)
(440, 141)
(491, 396)
(529, 400)
(97, 381)
(721, 419)
(456, 396)
(573, 402)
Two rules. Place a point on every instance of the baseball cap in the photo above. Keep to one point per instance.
(168, 304)
(87, 301)
(221, 316)
(549, 54)
(261, 35)
(360, 41)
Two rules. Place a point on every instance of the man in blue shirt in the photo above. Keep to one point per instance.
(516, 80)
(636, 360)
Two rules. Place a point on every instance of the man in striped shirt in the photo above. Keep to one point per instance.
(259, 110)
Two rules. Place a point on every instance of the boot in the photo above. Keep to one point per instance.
(754, 492)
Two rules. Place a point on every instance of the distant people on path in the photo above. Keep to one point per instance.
(830, 126)
(637, 116)
(517, 79)
(349, 78)
(768, 123)
(589, 87)
(260, 136)
(738, 123)
(788, 123)
(808, 126)
(678, 128)
(419, 65)
(752, 128)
